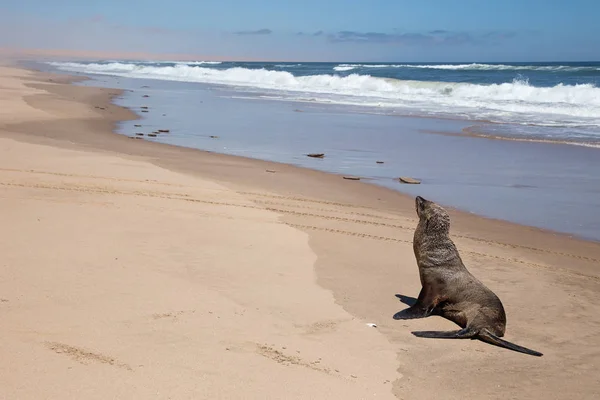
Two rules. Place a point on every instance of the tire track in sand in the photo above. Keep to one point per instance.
(189, 198)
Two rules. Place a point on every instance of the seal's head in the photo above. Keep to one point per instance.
(435, 217)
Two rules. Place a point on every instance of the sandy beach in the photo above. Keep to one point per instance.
(134, 269)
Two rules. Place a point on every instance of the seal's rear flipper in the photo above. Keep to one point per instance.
(465, 333)
(490, 338)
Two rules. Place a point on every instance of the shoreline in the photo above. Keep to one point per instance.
(380, 191)
(563, 222)
(470, 129)
(534, 110)
(360, 234)
(135, 116)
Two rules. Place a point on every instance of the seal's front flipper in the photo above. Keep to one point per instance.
(424, 306)
(465, 333)
(412, 313)
(409, 301)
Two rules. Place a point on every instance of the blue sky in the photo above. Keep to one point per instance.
(327, 30)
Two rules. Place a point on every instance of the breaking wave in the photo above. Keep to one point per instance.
(473, 67)
(201, 62)
(516, 101)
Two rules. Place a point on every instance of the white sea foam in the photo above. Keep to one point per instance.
(342, 68)
(348, 67)
(199, 62)
(473, 67)
(504, 67)
(517, 101)
(160, 62)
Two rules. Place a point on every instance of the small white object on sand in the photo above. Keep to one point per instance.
(372, 325)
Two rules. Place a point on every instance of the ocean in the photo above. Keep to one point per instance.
(439, 123)
(530, 101)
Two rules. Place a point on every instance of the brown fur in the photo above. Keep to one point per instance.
(448, 288)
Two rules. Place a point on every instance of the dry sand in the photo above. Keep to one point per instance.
(133, 269)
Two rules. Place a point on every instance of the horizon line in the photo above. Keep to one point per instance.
(139, 56)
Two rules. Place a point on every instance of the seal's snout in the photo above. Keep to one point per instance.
(419, 203)
(422, 200)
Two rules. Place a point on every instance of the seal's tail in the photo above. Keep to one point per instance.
(490, 338)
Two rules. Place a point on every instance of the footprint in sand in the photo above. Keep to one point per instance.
(324, 326)
(84, 356)
(171, 315)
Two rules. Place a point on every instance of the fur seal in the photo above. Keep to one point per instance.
(449, 289)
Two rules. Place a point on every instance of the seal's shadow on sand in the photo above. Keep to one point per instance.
(409, 301)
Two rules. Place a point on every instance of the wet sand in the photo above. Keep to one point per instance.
(138, 269)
